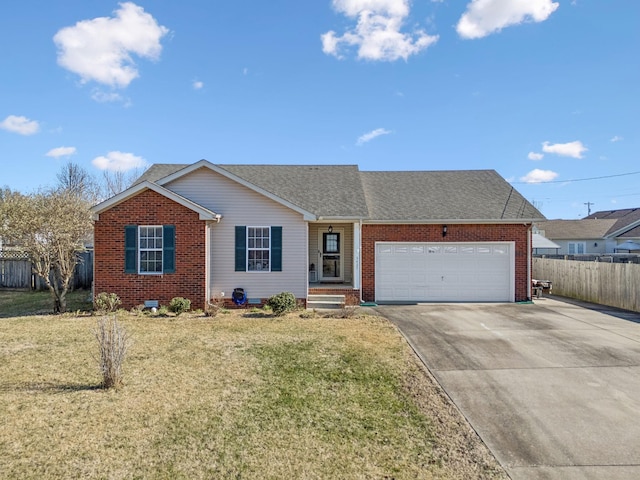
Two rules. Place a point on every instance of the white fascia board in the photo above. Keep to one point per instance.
(205, 213)
(205, 163)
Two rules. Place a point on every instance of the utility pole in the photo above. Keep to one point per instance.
(588, 204)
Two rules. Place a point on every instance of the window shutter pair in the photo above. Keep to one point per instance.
(241, 249)
(131, 249)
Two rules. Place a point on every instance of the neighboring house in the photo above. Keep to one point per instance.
(199, 231)
(599, 233)
(576, 237)
(627, 224)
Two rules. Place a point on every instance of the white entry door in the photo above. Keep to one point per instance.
(445, 272)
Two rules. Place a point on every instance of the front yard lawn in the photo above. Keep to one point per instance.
(240, 395)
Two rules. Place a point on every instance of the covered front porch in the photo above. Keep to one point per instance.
(334, 261)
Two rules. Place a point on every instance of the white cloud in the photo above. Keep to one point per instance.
(119, 162)
(535, 156)
(484, 17)
(377, 34)
(106, 97)
(197, 85)
(539, 176)
(571, 149)
(367, 137)
(61, 152)
(21, 125)
(616, 138)
(100, 49)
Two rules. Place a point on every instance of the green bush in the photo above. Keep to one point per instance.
(107, 302)
(179, 305)
(282, 303)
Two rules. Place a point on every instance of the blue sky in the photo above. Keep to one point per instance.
(545, 92)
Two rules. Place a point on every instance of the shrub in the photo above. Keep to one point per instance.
(113, 343)
(309, 314)
(107, 302)
(179, 305)
(282, 303)
(214, 306)
(346, 312)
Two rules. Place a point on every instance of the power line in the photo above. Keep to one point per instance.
(578, 179)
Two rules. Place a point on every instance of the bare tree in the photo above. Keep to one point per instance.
(51, 226)
(114, 182)
(77, 181)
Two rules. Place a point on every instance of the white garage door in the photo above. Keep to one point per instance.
(445, 272)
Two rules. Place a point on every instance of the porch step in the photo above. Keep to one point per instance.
(325, 301)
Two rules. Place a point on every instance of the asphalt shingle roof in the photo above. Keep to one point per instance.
(575, 229)
(623, 218)
(325, 190)
(444, 195)
(345, 191)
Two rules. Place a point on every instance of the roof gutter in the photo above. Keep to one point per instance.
(524, 221)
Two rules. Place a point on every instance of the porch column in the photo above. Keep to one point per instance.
(356, 255)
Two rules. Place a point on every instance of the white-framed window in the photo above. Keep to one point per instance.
(258, 249)
(575, 248)
(150, 241)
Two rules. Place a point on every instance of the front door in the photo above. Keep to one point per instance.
(330, 249)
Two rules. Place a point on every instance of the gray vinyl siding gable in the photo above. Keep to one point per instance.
(240, 205)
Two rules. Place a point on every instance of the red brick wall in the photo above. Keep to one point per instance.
(455, 233)
(351, 296)
(150, 208)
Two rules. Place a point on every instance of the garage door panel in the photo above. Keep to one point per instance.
(444, 272)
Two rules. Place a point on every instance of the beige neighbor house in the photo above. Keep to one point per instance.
(202, 230)
(603, 232)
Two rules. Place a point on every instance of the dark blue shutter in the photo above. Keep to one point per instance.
(130, 249)
(241, 249)
(276, 249)
(168, 249)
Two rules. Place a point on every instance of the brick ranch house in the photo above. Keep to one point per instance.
(201, 230)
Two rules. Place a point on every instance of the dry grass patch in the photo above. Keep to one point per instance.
(229, 397)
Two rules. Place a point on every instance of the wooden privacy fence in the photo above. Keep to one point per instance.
(16, 272)
(613, 284)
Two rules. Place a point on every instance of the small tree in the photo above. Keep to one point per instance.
(51, 227)
(113, 342)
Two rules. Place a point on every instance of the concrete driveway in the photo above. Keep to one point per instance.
(552, 388)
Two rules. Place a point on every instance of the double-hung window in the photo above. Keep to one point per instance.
(150, 241)
(149, 249)
(258, 249)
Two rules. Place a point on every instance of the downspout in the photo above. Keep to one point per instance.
(360, 261)
(529, 260)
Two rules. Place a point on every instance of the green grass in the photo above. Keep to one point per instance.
(20, 303)
(230, 397)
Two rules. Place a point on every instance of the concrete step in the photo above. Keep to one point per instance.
(325, 301)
